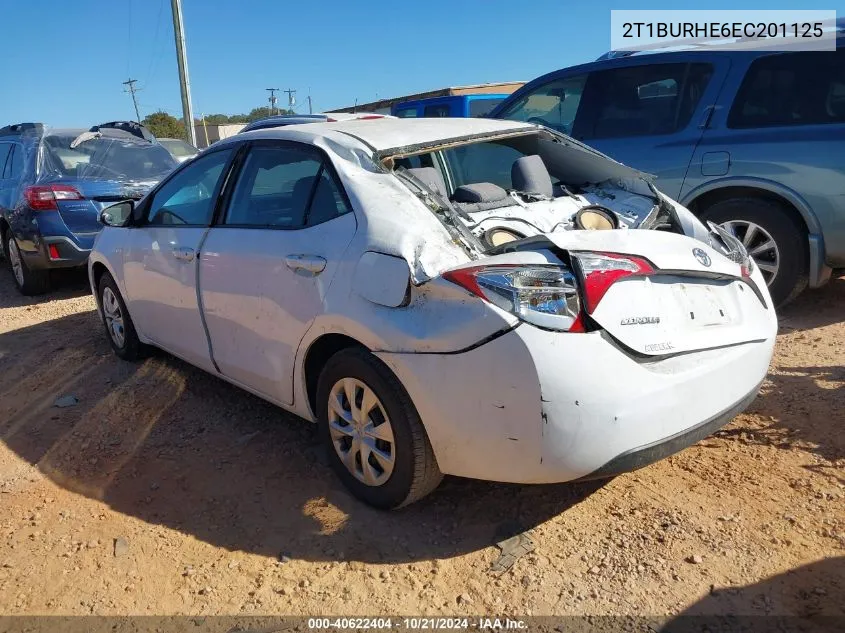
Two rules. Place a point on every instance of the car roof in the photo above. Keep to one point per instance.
(280, 120)
(386, 134)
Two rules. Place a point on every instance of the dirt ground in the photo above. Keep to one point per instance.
(165, 490)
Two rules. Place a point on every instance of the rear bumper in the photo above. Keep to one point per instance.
(534, 406)
(34, 240)
(642, 456)
(71, 253)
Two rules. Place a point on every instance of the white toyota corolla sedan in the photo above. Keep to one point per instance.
(480, 298)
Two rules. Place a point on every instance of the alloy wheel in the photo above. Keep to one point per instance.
(15, 261)
(361, 432)
(760, 245)
(114, 317)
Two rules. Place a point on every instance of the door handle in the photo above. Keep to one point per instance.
(313, 264)
(183, 253)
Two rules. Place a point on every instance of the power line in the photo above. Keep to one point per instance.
(156, 50)
(272, 99)
(184, 81)
(131, 89)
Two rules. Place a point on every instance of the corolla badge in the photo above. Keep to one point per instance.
(702, 257)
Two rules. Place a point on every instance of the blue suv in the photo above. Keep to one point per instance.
(53, 184)
(752, 140)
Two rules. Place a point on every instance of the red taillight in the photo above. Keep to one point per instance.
(54, 251)
(44, 197)
(601, 270)
(543, 295)
(370, 117)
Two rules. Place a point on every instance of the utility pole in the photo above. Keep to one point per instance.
(291, 98)
(131, 89)
(272, 100)
(310, 110)
(184, 81)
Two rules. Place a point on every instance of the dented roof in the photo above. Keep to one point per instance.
(386, 135)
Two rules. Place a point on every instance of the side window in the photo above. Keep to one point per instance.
(554, 104)
(285, 187)
(641, 100)
(791, 89)
(482, 162)
(482, 107)
(188, 198)
(406, 113)
(435, 111)
(14, 165)
(5, 149)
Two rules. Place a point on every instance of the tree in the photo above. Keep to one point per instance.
(164, 125)
(217, 119)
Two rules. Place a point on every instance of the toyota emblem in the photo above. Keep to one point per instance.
(702, 257)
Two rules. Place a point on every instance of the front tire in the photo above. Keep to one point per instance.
(28, 282)
(115, 317)
(774, 238)
(372, 432)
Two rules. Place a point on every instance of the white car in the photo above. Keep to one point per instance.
(471, 297)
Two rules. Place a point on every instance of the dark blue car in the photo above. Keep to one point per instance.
(752, 140)
(53, 184)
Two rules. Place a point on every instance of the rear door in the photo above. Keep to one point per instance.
(267, 265)
(161, 261)
(786, 124)
(651, 116)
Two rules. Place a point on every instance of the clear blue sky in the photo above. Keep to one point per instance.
(64, 61)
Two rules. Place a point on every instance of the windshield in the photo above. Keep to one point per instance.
(106, 158)
(177, 147)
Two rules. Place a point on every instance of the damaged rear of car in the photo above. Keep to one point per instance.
(50, 206)
(602, 326)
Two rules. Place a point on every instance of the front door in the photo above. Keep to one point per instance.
(650, 116)
(266, 268)
(160, 267)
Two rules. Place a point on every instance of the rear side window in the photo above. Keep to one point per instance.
(5, 150)
(434, 111)
(482, 107)
(285, 187)
(791, 89)
(14, 165)
(641, 100)
(406, 113)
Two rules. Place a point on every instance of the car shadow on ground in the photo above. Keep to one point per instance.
(167, 443)
(64, 284)
(803, 406)
(810, 599)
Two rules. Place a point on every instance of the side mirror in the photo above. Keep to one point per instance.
(118, 214)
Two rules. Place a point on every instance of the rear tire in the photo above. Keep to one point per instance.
(413, 472)
(791, 252)
(120, 329)
(28, 282)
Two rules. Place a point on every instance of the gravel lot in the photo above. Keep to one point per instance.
(165, 490)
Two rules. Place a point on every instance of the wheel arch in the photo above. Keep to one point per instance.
(703, 196)
(318, 352)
